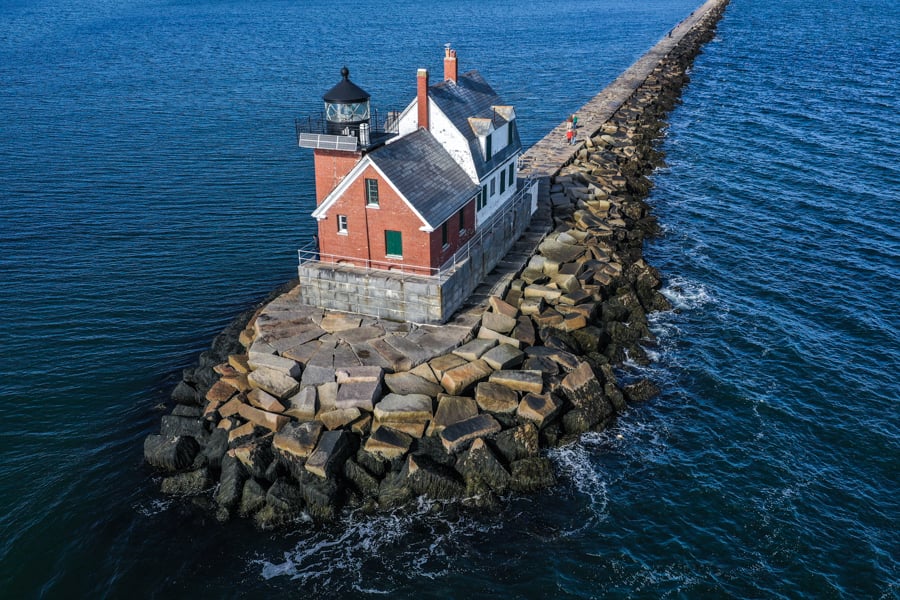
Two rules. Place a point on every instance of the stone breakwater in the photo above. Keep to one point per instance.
(296, 410)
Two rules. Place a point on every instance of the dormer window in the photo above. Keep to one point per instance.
(487, 147)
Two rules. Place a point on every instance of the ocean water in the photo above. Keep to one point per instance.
(150, 189)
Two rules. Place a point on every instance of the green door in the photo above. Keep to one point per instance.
(393, 243)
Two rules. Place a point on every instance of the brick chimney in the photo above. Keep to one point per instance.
(422, 98)
(451, 70)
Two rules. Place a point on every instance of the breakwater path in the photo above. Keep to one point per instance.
(298, 410)
(552, 152)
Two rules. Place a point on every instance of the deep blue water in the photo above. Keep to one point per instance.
(150, 189)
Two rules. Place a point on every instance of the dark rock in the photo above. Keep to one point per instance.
(186, 484)
(170, 453)
(614, 394)
(428, 478)
(371, 463)
(253, 498)
(590, 338)
(551, 435)
(216, 446)
(183, 410)
(256, 456)
(173, 426)
(518, 443)
(184, 393)
(432, 448)
(395, 490)
(640, 391)
(321, 496)
(530, 474)
(285, 496)
(231, 483)
(361, 480)
(479, 464)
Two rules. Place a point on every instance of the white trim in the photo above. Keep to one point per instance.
(358, 169)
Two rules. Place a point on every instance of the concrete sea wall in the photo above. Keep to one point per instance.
(301, 410)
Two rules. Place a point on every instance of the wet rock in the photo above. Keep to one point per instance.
(256, 456)
(170, 453)
(253, 498)
(284, 495)
(640, 391)
(231, 483)
(394, 490)
(427, 478)
(184, 393)
(517, 443)
(362, 481)
(187, 484)
(216, 447)
(479, 464)
(172, 426)
(322, 496)
(531, 474)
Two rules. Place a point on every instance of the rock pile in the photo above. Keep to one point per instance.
(296, 410)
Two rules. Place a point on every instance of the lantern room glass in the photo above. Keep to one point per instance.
(352, 112)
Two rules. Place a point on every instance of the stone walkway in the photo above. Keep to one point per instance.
(547, 157)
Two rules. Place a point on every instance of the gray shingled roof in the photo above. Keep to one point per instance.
(426, 175)
(471, 96)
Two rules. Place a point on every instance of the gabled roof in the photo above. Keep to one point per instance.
(421, 171)
(425, 174)
(472, 99)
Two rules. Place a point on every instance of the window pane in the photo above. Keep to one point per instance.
(372, 192)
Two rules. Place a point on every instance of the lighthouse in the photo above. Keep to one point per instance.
(342, 134)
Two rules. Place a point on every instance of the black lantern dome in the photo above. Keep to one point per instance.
(346, 105)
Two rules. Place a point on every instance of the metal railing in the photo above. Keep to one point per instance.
(376, 129)
(310, 252)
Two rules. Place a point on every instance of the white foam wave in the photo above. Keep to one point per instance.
(685, 294)
(153, 507)
(418, 543)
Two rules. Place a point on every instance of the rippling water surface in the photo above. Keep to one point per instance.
(150, 189)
